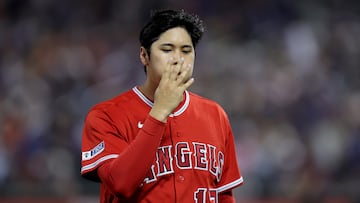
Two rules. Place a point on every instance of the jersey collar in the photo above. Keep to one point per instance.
(178, 111)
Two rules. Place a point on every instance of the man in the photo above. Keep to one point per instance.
(159, 142)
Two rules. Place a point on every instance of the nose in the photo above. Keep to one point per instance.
(178, 59)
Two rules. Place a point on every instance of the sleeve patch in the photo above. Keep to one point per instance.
(87, 155)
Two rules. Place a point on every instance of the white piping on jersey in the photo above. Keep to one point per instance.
(151, 104)
(230, 185)
(93, 165)
(142, 97)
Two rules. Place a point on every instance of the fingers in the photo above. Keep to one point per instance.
(176, 68)
(168, 69)
(183, 77)
(178, 72)
(188, 83)
(184, 72)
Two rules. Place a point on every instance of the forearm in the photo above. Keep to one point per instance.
(125, 173)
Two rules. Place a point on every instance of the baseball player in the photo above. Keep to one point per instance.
(158, 142)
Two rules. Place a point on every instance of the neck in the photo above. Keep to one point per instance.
(148, 89)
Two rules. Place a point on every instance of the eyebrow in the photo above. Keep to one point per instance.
(172, 45)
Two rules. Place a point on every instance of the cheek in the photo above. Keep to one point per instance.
(160, 65)
(160, 60)
(157, 67)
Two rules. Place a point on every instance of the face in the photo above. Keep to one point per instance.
(173, 45)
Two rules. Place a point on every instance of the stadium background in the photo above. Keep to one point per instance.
(286, 72)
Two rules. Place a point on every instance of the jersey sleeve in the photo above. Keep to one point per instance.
(98, 143)
(231, 175)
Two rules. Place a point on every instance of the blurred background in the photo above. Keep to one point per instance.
(286, 72)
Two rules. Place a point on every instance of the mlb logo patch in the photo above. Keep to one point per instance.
(87, 155)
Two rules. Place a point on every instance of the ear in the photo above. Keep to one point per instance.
(144, 57)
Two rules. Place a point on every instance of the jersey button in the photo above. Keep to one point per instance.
(181, 178)
(178, 134)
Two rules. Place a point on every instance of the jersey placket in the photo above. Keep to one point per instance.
(179, 177)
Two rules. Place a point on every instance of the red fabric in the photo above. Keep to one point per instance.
(123, 175)
(191, 158)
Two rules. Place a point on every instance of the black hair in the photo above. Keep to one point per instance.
(161, 21)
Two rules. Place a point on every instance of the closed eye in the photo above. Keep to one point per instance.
(166, 50)
(187, 51)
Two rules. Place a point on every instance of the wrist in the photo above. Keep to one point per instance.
(159, 114)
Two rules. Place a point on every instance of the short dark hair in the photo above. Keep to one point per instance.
(163, 20)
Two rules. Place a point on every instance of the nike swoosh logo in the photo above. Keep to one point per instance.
(140, 125)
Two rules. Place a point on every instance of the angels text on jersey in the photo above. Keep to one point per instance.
(184, 156)
(194, 155)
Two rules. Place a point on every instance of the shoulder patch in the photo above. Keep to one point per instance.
(87, 155)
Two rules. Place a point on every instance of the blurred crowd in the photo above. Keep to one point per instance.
(287, 73)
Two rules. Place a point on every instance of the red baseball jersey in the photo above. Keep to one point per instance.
(195, 160)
